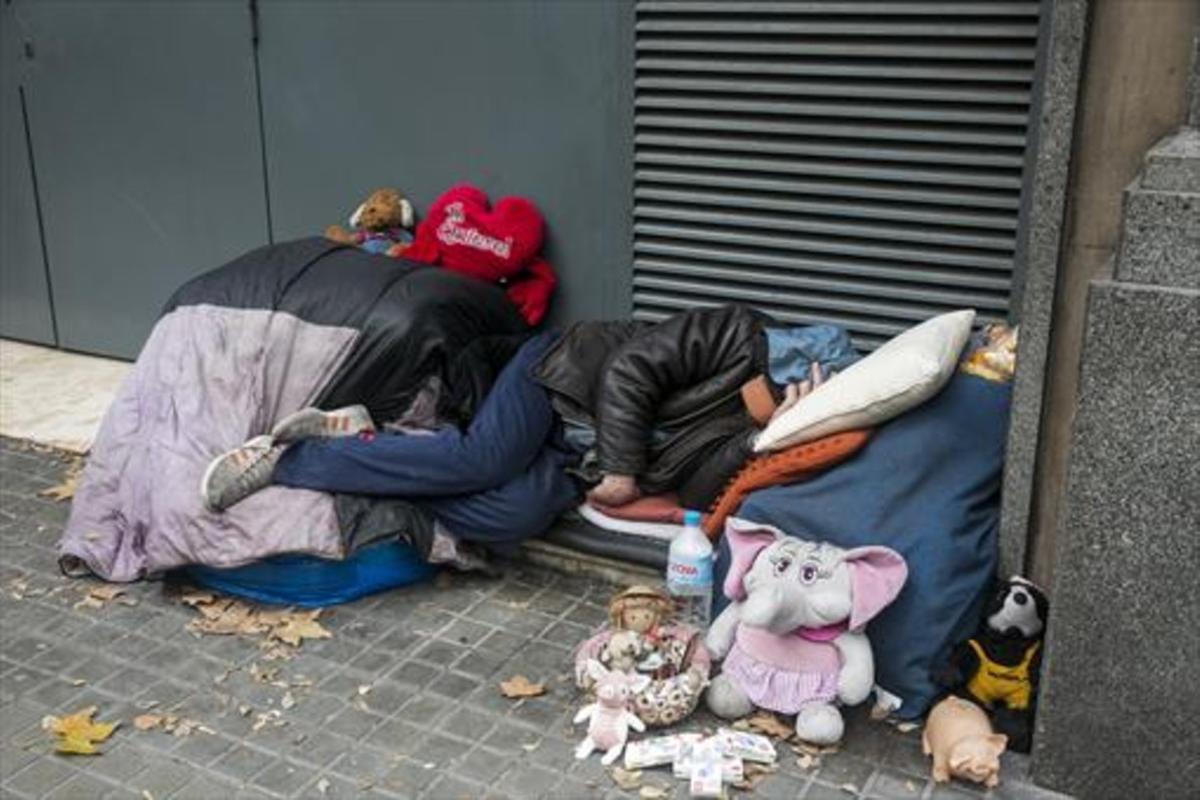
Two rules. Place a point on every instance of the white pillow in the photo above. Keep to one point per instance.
(903, 373)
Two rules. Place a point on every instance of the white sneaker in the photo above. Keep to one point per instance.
(313, 423)
(239, 473)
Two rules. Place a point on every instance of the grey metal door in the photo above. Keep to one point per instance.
(24, 295)
(848, 161)
(520, 97)
(145, 136)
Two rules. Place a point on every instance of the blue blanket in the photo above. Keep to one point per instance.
(927, 485)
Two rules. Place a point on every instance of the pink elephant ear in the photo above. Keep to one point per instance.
(746, 540)
(877, 575)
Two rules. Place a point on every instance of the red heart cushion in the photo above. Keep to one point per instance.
(486, 242)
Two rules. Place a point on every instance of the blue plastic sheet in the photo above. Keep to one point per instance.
(310, 582)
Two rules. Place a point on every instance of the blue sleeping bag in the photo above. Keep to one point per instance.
(309, 582)
(927, 485)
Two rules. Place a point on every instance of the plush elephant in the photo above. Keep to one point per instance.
(792, 638)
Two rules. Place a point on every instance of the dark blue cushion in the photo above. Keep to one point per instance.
(927, 485)
(307, 581)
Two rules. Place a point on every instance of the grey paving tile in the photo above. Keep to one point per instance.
(888, 784)
(284, 778)
(81, 787)
(482, 765)
(413, 673)
(467, 723)
(838, 769)
(205, 787)
(408, 778)
(424, 709)
(449, 787)
(242, 763)
(121, 762)
(439, 750)
(453, 685)
(161, 777)
(365, 763)
(522, 781)
(353, 722)
(42, 776)
(202, 748)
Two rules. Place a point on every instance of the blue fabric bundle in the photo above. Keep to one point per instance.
(928, 486)
(309, 582)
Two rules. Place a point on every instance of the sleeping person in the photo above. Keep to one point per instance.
(655, 408)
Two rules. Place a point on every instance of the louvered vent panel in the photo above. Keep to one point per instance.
(857, 162)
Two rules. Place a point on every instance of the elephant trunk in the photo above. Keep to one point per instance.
(762, 608)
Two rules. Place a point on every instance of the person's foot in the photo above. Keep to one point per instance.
(239, 473)
(313, 423)
(615, 490)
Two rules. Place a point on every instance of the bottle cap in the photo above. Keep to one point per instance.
(692, 519)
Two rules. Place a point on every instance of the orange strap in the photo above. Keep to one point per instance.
(793, 465)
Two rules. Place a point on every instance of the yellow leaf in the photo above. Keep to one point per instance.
(75, 746)
(519, 686)
(78, 732)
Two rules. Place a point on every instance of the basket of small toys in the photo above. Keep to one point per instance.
(641, 639)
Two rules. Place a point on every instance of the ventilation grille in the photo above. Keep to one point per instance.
(854, 162)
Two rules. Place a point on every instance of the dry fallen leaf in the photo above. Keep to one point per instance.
(196, 597)
(144, 722)
(651, 792)
(519, 686)
(754, 774)
(771, 725)
(300, 626)
(627, 780)
(66, 489)
(78, 733)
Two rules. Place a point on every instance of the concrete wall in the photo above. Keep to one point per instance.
(1134, 90)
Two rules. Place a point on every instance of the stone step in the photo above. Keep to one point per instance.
(1160, 237)
(1173, 165)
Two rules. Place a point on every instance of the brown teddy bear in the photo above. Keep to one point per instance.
(384, 221)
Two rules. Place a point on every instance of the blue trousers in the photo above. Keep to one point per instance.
(499, 481)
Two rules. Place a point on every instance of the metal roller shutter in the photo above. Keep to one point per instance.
(855, 162)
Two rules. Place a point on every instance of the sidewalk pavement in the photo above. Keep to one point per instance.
(403, 700)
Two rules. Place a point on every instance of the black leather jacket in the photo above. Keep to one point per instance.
(681, 377)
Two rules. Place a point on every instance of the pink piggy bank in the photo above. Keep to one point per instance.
(959, 736)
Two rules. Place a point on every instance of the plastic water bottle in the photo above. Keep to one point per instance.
(690, 573)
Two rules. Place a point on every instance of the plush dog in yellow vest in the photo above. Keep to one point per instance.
(998, 668)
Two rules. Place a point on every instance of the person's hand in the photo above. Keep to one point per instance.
(615, 490)
(793, 393)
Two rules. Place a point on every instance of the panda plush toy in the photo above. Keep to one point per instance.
(998, 668)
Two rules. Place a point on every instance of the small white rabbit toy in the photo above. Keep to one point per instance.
(610, 717)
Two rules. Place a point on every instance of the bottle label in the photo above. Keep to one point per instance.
(695, 573)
